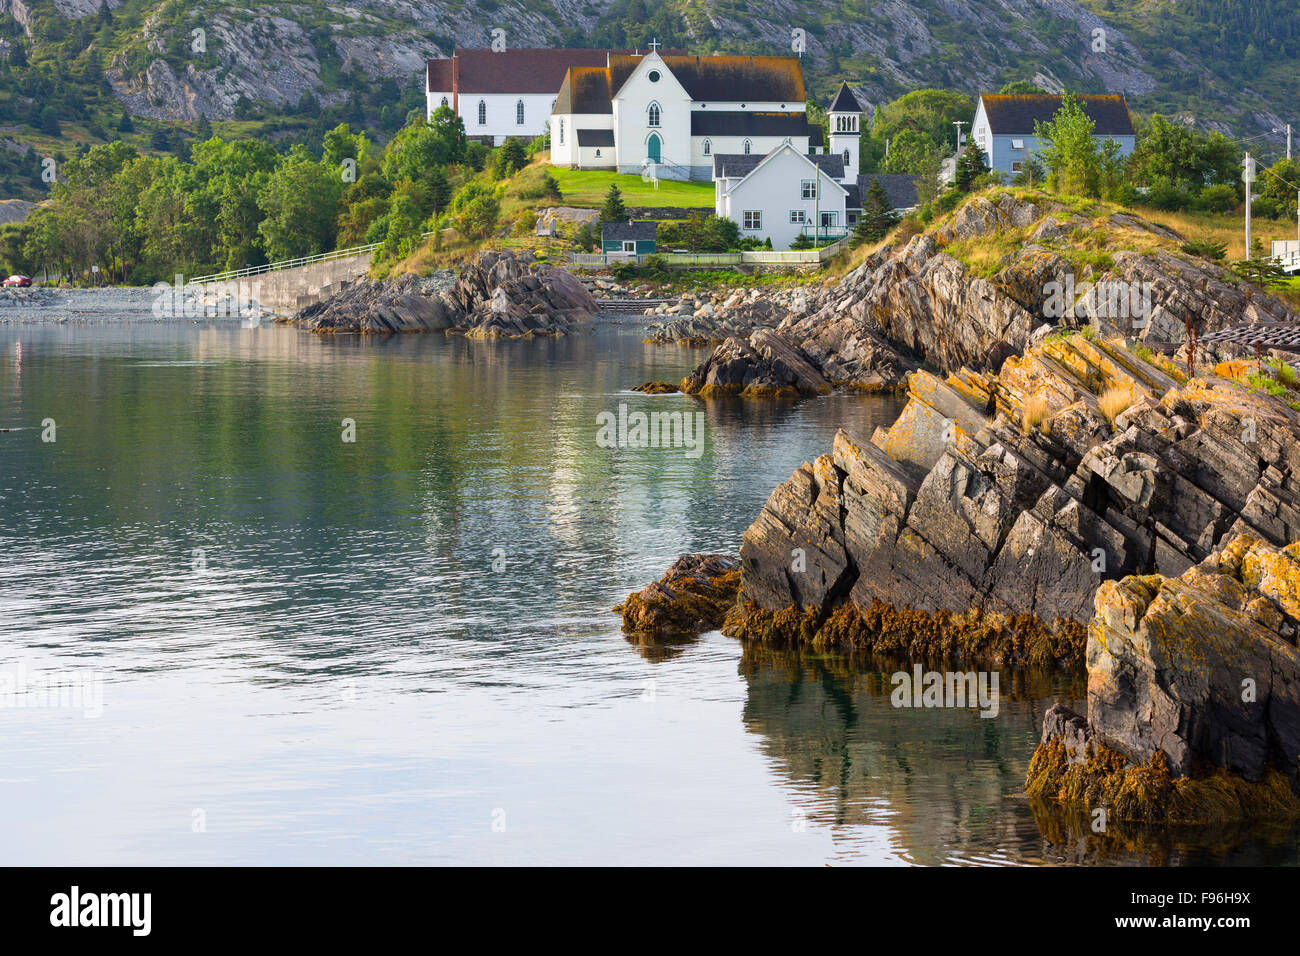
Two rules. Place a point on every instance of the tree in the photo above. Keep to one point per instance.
(300, 207)
(510, 158)
(878, 216)
(970, 167)
(613, 210)
(1069, 152)
(1020, 88)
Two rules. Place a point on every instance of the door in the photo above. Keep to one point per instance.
(654, 149)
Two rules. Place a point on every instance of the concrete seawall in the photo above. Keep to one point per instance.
(286, 291)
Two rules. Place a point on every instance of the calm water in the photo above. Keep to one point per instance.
(400, 649)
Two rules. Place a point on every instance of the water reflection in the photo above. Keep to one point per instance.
(946, 784)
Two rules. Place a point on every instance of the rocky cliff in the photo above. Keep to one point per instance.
(982, 284)
(275, 50)
(1193, 695)
(1022, 491)
(498, 295)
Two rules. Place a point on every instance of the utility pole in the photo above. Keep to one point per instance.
(1248, 177)
(959, 124)
(1288, 142)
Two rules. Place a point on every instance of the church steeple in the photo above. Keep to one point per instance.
(844, 114)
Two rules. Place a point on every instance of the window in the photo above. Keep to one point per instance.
(653, 76)
(629, 245)
(598, 153)
(798, 217)
(444, 101)
(846, 158)
(853, 218)
(753, 219)
(654, 114)
(708, 148)
(561, 132)
(1017, 167)
(808, 189)
(482, 113)
(1017, 144)
(748, 147)
(519, 112)
(830, 219)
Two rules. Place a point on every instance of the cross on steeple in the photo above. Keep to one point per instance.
(654, 44)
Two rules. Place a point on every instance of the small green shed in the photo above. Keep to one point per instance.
(631, 238)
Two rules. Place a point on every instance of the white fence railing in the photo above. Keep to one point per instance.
(764, 257)
(1287, 254)
(293, 263)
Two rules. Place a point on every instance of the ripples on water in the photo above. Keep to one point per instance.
(304, 644)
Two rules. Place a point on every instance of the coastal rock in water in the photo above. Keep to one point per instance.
(766, 365)
(1193, 695)
(693, 596)
(499, 295)
(1203, 666)
(1014, 494)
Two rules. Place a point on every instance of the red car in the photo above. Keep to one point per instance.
(19, 282)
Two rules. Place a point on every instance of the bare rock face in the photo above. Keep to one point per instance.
(921, 304)
(1014, 493)
(1203, 666)
(499, 295)
(1193, 696)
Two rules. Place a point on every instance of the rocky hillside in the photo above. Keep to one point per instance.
(989, 280)
(1224, 64)
(498, 295)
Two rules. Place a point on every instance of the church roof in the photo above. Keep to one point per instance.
(734, 123)
(584, 90)
(1017, 114)
(595, 137)
(509, 71)
(722, 79)
(845, 101)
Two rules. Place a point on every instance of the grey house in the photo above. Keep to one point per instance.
(1004, 125)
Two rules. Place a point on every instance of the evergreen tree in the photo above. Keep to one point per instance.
(878, 216)
(613, 210)
(970, 166)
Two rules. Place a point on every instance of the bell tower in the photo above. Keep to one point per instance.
(845, 113)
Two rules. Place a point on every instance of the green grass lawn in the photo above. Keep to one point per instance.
(587, 187)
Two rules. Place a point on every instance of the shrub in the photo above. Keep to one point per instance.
(1113, 402)
(1035, 413)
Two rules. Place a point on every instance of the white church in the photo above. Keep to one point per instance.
(678, 112)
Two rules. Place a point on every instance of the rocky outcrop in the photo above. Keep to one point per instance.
(936, 301)
(499, 295)
(1021, 492)
(692, 596)
(1193, 694)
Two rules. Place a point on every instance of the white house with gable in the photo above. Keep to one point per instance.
(781, 195)
(789, 190)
